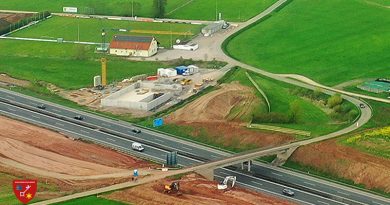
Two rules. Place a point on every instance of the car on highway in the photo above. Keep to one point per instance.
(288, 192)
(78, 117)
(42, 106)
(135, 130)
(362, 105)
(137, 146)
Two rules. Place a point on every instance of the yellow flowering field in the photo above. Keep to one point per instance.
(375, 141)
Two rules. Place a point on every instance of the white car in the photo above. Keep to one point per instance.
(190, 47)
(137, 146)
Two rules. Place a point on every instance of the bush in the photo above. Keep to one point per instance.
(334, 100)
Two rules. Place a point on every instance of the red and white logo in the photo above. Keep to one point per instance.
(25, 190)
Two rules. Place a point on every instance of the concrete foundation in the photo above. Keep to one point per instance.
(141, 96)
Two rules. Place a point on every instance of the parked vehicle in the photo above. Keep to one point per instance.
(288, 192)
(136, 130)
(137, 146)
(78, 117)
(362, 105)
(190, 47)
(42, 106)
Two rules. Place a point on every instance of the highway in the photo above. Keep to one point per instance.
(98, 129)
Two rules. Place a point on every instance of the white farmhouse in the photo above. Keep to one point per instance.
(139, 46)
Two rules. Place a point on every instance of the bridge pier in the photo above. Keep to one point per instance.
(248, 164)
(282, 157)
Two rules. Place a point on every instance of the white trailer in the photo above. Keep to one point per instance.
(190, 47)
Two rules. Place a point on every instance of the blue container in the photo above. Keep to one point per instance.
(181, 69)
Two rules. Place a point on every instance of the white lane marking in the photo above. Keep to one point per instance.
(164, 155)
(110, 139)
(187, 148)
(224, 173)
(374, 202)
(277, 174)
(13, 110)
(258, 183)
(34, 116)
(309, 183)
(106, 124)
(214, 156)
(12, 97)
(84, 131)
(322, 202)
(60, 124)
(56, 110)
(343, 193)
(158, 140)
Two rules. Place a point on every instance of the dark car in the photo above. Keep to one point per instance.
(288, 192)
(42, 106)
(362, 105)
(136, 130)
(78, 117)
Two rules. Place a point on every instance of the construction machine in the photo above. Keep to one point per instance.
(224, 184)
(174, 188)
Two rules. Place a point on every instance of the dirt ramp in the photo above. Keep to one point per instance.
(45, 160)
(217, 105)
(54, 142)
(347, 162)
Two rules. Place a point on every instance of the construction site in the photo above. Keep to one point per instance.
(142, 95)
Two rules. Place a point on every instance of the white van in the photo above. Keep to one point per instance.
(137, 146)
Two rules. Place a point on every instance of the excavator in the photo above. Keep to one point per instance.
(174, 188)
(224, 184)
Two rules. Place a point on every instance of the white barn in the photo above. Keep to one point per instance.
(139, 46)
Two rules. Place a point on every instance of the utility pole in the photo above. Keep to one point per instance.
(170, 28)
(132, 9)
(216, 10)
(78, 29)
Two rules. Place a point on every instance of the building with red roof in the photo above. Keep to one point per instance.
(140, 46)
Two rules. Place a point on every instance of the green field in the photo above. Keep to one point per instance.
(329, 41)
(56, 63)
(90, 30)
(238, 10)
(91, 200)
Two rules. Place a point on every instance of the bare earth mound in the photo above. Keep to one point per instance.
(216, 106)
(218, 115)
(195, 191)
(347, 162)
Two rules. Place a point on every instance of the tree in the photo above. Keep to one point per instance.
(334, 100)
(159, 8)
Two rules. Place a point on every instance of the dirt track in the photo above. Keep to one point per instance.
(195, 191)
(347, 162)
